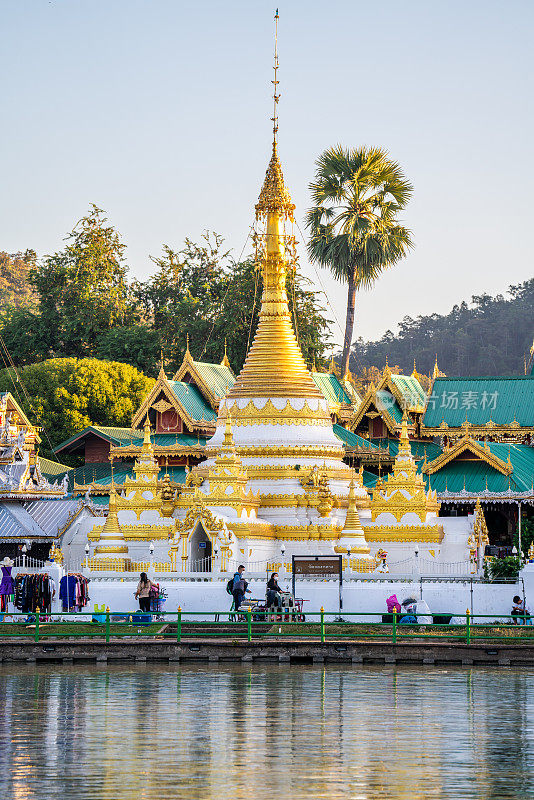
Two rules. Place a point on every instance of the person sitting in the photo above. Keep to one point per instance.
(521, 612)
(273, 592)
(393, 604)
(410, 607)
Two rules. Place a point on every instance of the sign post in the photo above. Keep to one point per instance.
(321, 566)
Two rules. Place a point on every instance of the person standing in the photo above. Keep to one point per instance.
(240, 587)
(143, 592)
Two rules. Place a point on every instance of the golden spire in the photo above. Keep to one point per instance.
(352, 520)
(353, 527)
(111, 541)
(111, 524)
(161, 369)
(404, 441)
(225, 362)
(274, 365)
(147, 441)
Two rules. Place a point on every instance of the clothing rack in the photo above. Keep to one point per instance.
(73, 591)
(33, 590)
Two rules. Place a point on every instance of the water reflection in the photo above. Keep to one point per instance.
(158, 732)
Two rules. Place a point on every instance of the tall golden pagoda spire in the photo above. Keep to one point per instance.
(274, 365)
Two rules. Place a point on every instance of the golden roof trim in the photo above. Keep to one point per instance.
(463, 444)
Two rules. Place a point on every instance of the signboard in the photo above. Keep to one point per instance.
(202, 545)
(316, 565)
(319, 566)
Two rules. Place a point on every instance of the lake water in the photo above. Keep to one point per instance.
(155, 732)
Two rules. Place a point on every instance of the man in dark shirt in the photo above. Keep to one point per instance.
(240, 587)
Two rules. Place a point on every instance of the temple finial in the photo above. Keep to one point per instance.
(275, 82)
(225, 362)
(274, 197)
(161, 368)
(147, 441)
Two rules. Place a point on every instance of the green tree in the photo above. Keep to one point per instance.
(15, 289)
(200, 292)
(83, 289)
(26, 336)
(67, 394)
(354, 228)
(138, 345)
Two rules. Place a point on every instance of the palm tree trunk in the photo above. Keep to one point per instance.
(349, 324)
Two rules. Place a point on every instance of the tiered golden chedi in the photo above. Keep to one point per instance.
(274, 476)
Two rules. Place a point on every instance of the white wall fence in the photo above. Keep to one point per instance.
(208, 569)
(205, 593)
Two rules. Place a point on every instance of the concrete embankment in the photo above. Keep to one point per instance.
(290, 651)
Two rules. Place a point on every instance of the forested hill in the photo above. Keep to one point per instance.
(488, 336)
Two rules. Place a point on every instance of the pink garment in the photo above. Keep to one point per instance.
(393, 604)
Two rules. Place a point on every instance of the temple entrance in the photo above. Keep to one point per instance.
(200, 550)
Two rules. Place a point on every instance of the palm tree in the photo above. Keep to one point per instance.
(354, 230)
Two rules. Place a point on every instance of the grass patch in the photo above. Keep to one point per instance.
(76, 629)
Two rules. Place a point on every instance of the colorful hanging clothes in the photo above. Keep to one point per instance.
(73, 592)
(32, 592)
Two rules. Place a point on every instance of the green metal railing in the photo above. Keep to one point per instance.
(248, 625)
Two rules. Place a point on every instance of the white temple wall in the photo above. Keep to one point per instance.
(358, 596)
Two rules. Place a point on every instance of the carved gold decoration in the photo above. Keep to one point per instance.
(141, 532)
(274, 197)
(404, 533)
(480, 529)
(56, 555)
(468, 444)
(403, 491)
(162, 406)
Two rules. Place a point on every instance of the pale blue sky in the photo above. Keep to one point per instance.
(158, 111)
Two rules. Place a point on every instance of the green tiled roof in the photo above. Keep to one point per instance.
(116, 436)
(193, 402)
(331, 387)
(418, 449)
(352, 439)
(410, 389)
(168, 440)
(219, 378)
(480, 400)
(100, 500)
(101, 473)
(369, 479)
(52, 469)
(476, 476)
(385, 400)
